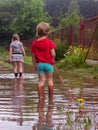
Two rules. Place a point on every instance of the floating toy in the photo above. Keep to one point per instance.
(80, 103)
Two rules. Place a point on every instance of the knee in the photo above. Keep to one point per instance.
(49, 81)
(42, 80)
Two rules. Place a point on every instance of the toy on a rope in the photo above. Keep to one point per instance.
(80, 103)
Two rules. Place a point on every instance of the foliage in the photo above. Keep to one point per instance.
(20, 16)
(8, 11)
(59, 9)
(56, 9)
(87, 123)
(60, 49)
(73, 7)
(28, 60)
(5, 64)
(3, 53)
(87, 6)
(69, 120)
(74, 57)
(28, 17)
(73, 18)
(5, 22)
(93, 71)
(72, 15)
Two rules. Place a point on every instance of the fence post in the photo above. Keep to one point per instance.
(72, 34)
(81, 33)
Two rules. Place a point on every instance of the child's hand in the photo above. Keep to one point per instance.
(24, 56)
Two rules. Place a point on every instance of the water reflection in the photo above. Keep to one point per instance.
(21, 110)
(45, 117)
(18, 100)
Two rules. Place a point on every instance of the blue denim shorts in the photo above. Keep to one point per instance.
(44, 68)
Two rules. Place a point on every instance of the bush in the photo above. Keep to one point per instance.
(74, 57)
(3, 53)
(61, 49)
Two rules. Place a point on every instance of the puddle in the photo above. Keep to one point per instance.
(20, 108)
(11, 76)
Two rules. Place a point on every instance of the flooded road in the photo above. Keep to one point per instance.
(20, 108)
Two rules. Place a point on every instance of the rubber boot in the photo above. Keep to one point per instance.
(41, 92)
(50, 90)
(16, 75)
(20, 74)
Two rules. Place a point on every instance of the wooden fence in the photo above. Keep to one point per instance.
(86, 34)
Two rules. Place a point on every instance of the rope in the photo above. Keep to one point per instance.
(62, 81)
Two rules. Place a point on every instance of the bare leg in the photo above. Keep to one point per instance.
(49, 115)
(49, 78)
(20, 68)
(41, 86)
(40, 110)
(15, 68)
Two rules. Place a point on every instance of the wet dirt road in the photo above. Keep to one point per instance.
(20, 108)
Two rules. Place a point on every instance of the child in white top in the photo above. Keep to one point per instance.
(16, 55)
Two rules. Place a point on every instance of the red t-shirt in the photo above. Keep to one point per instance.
(42, 50)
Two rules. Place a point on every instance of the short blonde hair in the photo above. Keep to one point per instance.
(15, 37)
(42, 29)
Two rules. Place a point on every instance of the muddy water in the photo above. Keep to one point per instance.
(20, 108)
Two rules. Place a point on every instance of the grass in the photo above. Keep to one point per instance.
(5, 64)
(90, 71)
(28, 60)
(87, 72)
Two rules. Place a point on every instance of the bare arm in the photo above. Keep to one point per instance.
(23, 51)
(34, 61)
(53, 53)
(10, 54)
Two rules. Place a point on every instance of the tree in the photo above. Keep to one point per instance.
(20, 16)
(73, 7)
(8, 12)
(5, 20)
(56, 9)
(88, 8)
(72, 16)
(28, 17)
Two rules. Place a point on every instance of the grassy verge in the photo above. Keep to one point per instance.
(67, 65)
(28, 60)
(91, 72)
(5, 64)
(85, 69)
(74, 61)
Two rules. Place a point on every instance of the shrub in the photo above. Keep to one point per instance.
(61, 49)
(74, 57)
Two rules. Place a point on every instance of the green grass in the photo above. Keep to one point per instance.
(28, 60)
(90, 71)
(5, 64)
(85, 70)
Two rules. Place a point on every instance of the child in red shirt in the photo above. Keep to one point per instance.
(43, 55)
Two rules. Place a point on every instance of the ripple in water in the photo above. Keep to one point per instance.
(11, 76)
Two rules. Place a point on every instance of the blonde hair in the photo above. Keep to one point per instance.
(42, 29)
(15, 37)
